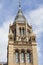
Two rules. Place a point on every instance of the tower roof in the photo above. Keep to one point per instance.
(20, 17)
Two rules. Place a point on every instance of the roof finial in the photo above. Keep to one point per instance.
(19, 4)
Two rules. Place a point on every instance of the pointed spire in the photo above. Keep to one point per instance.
(20, 17)
(19, 4)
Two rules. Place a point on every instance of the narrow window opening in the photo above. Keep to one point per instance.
(17, 57)
(28, 57)
(22, 57)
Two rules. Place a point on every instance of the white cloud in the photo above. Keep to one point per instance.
(35, 17)
(38, 50)
(4, 40)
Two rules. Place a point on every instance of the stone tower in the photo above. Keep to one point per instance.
(21, 42)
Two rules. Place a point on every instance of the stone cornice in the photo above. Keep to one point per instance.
(23, 44)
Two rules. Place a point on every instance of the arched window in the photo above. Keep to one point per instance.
(23, 31)
(17, 56)
(28, 56)
(22, 57)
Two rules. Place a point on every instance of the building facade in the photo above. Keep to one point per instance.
(22, 47)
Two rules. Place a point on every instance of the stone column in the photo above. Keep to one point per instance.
(34, 52)
(16, 31)
(31, 57)
(25, 56)
(10, 55)
(20, 56)
(26, 28)
(26, 32)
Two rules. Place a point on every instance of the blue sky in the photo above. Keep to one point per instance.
(33, 11)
